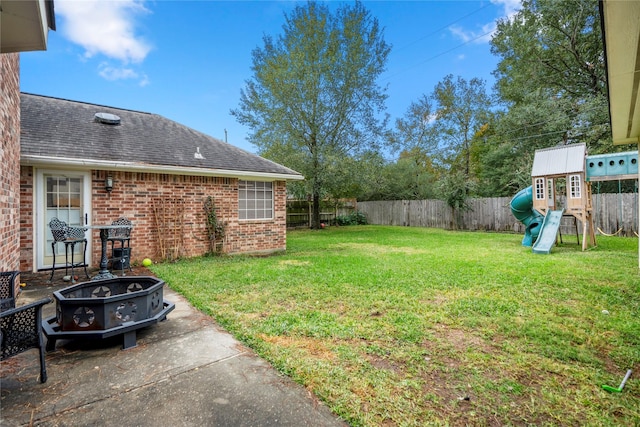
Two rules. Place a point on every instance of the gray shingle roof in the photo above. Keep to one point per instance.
(53, 128)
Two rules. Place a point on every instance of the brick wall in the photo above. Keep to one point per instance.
(137, 195)
(26, 218)
(9, 162)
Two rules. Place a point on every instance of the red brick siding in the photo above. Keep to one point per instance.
(9, 162)
(135, 194)
(27, 231)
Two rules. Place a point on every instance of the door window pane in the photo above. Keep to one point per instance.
(63, 200)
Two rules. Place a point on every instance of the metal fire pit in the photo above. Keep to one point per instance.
(105, 308)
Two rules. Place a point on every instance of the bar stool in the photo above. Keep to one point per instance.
(123, 235)
(70, 236)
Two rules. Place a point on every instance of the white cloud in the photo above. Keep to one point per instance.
(144, 80)
(105, 27)
(511, 7)
(485, 33)
(111, 73)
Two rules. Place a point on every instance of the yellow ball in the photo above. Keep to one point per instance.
(147, 262)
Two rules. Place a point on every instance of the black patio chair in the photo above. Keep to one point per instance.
(121, 255)
(70, 236)
(8, 289)
(21, 327)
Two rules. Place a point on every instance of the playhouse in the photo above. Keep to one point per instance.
(560, 188)
(561, 180)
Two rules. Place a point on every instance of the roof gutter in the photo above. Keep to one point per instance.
(34, 160)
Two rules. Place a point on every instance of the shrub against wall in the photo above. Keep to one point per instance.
(215, 226)
(354, 218)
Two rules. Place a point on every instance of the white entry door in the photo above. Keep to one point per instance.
(66, 196)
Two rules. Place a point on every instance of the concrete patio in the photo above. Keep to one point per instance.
(184, 371)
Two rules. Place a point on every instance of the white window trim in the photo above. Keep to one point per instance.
(576, 187)
(540, 189)
(39, 230)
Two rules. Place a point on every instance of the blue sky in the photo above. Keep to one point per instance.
(188, 60)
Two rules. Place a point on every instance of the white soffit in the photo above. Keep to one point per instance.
(24, 25)
(622, 37)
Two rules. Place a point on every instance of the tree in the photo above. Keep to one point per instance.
(410, 177)
(551, 85)
(313, 98)
(414, 175)
(552, 64)
(415, 129)
(462, 109)
(443, 126)
(505, 153)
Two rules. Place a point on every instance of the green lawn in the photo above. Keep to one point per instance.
(394, 326)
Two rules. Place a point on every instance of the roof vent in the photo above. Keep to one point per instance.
(107, 118)
(197, 154)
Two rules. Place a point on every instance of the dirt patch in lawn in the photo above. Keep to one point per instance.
(294, 263)
(313, 347)
(457, 358)
(375, 250)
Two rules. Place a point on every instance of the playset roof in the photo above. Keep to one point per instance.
(559, 161)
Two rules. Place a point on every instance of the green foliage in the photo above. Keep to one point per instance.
(215, 228)
(313, 102)
(305, 109)
(551, 89)
(354, 218)
(397, 325)
(550, 46)
(551, 81)
(415, 129)
(552, 74)
(462, 109)
(411, 177)
(440, 132)
(443, 124)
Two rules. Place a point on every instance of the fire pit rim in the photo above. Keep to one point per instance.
(132, 279)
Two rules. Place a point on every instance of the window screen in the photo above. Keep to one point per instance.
(255, 200)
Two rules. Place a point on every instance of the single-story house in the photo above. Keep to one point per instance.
(91, 164)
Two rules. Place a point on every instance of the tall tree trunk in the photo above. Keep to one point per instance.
(317, 185)
(315, 221)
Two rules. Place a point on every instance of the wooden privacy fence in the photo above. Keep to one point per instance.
(613, 214)
(299, 211)
(303, 219)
